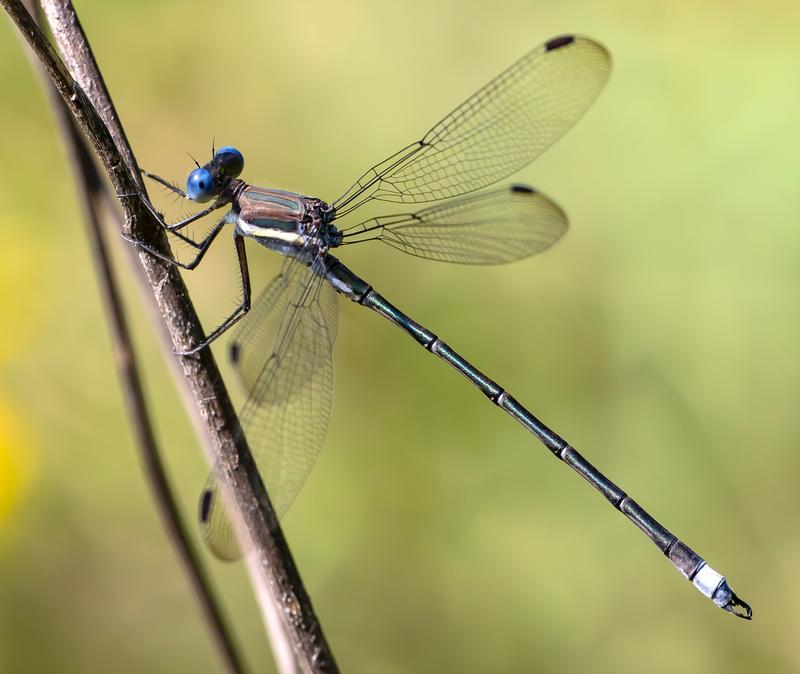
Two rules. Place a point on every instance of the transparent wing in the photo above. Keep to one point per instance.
(488, 228)
(495, 132)
(283, 355)
(269, 321)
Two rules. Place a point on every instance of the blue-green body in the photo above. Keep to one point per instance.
(497, 131)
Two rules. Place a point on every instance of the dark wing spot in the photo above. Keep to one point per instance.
(523, 189)
(234, 352)
(205, 505)
(558, 42)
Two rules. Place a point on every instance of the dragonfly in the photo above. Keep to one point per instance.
(283, 352)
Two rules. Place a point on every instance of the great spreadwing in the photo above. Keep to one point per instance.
(283, 351)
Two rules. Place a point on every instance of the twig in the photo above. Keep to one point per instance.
(91, 190)
(270, 564)
(87, 179)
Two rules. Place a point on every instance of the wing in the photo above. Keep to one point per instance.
(495, 132)
(283, 355)
(488, 228)
(269, 322)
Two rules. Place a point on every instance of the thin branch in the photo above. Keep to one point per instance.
(257, 527)
(86, 178)
(91, 191)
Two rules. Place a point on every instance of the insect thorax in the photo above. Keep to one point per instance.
(284, 221)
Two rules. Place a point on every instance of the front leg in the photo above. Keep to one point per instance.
(201, 246)
(175, 227)
(172, 187)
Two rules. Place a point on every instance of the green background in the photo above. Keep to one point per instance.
(660, 338)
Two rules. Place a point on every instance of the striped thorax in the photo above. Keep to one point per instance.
(288, 223)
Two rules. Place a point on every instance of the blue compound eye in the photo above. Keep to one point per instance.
(230, 160)
(200, 185)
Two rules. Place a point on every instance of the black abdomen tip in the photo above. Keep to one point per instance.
(523, 189)
(558, 42)
(205, 505)
(234, 352)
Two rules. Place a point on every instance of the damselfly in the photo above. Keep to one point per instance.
(283, 352)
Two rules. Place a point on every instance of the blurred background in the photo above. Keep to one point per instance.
(660, 337)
